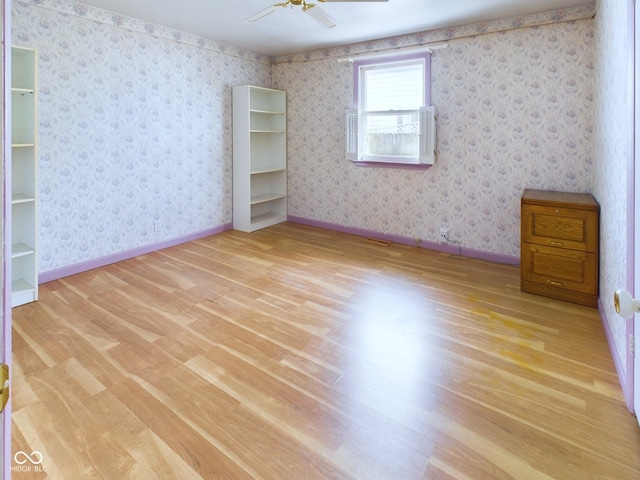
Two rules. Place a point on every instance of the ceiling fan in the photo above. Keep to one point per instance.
(311, 9)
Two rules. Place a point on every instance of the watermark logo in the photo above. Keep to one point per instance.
(21, 458)
(28, 462)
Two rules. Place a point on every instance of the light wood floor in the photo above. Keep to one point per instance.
(300, 353)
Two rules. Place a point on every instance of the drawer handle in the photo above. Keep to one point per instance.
(557, 244)
(555, 284)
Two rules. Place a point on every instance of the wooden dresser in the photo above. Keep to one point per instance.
(559, 245)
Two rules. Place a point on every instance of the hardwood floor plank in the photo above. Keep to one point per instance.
(42, 341)
(376, 447)
(21, 393)
(278, 401)
(186, 442)
(31, 432)
(142, 453)
(25, 356)
(452, 459)
(301, 353)
(247, 434)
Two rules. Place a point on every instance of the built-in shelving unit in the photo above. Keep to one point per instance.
(24, 170)
(259, 157)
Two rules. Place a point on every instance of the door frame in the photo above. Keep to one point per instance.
(633, 206)
(5, 320)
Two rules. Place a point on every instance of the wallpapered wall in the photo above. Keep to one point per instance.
(514, 111)
(613, 101)
(135, 129)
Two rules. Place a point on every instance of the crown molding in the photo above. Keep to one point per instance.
(443, 35)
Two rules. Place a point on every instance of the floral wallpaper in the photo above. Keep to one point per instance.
(515, 111)
(613, 101)
(134, 129)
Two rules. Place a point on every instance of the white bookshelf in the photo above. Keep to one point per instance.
(24, 172)
(259, 157)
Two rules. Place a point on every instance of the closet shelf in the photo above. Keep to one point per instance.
(267, 219)
(268, 112)
(269, 197)
(21, 198)
(268, 170)
(23, 187)
(23, 91)
(21, 250)
(20, 287)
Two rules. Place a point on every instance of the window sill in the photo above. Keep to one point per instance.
(399, 165)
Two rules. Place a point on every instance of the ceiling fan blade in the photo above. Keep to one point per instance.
(261, 14)
(319, 15)
(353, 1)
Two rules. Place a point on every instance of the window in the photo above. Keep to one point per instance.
(390, 123)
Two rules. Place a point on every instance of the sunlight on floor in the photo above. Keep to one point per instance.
(390, 361)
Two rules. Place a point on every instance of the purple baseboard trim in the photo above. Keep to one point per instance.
(453, 249)
(117, 257)
(626, 379)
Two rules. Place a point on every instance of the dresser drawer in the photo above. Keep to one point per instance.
(573, 270)
(559, 245)
(560, 227)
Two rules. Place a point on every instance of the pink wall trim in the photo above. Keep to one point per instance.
(117, 257)
(361, 232)
(58, 273)
(5, 9)
(628, 382)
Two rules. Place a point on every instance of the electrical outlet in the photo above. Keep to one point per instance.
(444, 234)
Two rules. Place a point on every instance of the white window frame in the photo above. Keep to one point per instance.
(355, 116)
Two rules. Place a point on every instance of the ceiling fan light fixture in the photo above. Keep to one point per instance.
(260, 15)
(319, 15)
(311, 9)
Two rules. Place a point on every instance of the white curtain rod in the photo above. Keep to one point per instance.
(399, 51)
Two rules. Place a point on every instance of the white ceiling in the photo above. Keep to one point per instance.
(291, 31)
